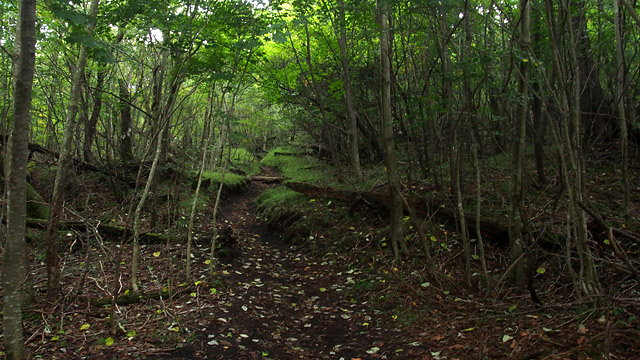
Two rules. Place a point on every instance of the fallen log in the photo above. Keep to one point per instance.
(131, 298)
(267, 179)
(111, 231)
(491, 231)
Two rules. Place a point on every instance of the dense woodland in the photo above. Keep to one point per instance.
(491, 147)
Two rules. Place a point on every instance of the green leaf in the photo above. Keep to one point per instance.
(131, 334)
(156, 254)
(541, 270)
(108, 341)
(84, 327)
(506, 338)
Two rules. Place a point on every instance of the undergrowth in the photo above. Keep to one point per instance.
(299, 168)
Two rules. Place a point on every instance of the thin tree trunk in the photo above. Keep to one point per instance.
(126, 152)
(138, 212)
(64, 165)
(214, 218)
(14, 268)
(90, 128)
(354, 151)
(624, 137)
(517, 274)
(391, 163)
(205, 152)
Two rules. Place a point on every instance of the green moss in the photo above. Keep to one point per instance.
(280, 199)
(299, 168)
(211, 179)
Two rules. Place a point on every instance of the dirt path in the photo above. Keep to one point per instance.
(283, 304)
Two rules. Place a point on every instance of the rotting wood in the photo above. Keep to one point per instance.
(268, 179)
(108, 230)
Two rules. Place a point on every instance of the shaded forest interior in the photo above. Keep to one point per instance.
(451, 153)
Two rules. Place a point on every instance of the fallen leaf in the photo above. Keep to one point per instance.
(373, 350)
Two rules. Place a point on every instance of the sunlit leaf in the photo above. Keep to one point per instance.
(506, 338)
(108, 341)
(373, 350)
(84, 327)
(156, 254)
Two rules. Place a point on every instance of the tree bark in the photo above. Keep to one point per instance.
(517, 273)
(352, 114)
(395, 205)
(126, 152)
(90, 127)
(14, 267)
(620, 97)
(64, 164)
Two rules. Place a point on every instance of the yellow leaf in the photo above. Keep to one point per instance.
(197, 283)
(109, 341)
(193, 294)
(156, 254)
(84, 327)
(207, 262)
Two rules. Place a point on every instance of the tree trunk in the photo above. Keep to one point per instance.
(620, 95)
(390, 161)
(14, 268)
(126, 152)
(517, 274)
(90, 128)
(64, 164)
(352, 115)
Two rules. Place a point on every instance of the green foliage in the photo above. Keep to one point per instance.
(244, 160)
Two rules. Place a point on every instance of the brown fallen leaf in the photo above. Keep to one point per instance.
(581, 339)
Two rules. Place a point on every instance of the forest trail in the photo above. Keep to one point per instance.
(280, 303)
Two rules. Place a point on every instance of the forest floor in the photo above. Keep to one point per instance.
(275, 300)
